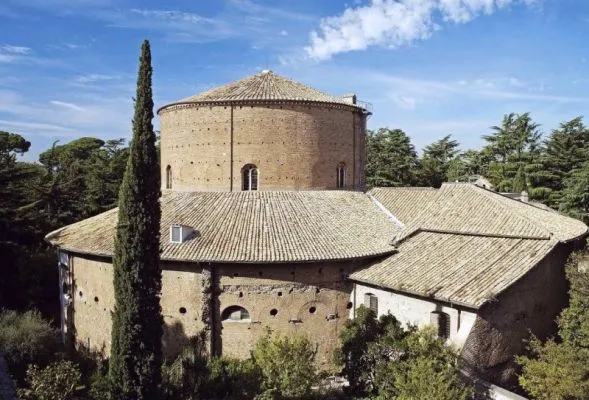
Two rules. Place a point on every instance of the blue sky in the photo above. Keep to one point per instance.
(430, 67)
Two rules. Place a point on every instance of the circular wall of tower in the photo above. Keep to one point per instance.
(293, 145)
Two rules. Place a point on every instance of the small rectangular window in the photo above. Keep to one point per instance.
(371, 302)
(176, 234)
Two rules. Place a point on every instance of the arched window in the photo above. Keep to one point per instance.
(249, 175)
(168, 177)
(341, 175)
(235, 314)
(371, 302)
(441, 322)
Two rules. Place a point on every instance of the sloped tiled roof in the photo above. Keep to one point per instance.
(253, 227)
(468, 209)
(464, 244)
(264, 86)
(461, 269)
(405, 203)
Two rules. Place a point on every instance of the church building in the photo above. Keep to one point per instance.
(266, 224)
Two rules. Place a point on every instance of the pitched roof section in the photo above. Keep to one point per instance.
(461, 269)
(468, 209)
(464, 244)
(253, 227)
(405, 203)
(263, 87)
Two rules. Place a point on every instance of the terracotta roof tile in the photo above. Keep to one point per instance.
(253, 227)
(264, 86)
(461, 269)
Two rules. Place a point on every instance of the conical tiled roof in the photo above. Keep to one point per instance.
(265, 86)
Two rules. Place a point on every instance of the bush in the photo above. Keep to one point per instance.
(26, 339)
(286, 363)
(58, 381)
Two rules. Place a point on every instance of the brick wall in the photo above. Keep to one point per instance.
(294, 146)
(312, 299)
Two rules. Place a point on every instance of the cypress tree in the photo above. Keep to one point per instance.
(137, 325)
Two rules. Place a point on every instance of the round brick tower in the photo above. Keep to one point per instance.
(264, 132)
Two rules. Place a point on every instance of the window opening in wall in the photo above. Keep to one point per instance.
(341, 175)
(96, 299)
(441, 322)
(235, 314)
(349, 305)
(168, 177)
(371, 302)
(279, 294)
(312, 310)
(249, 177)
(273, 312)
(182, 310)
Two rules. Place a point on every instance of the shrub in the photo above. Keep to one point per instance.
(286, 363)
(26, 339)
(58, 381)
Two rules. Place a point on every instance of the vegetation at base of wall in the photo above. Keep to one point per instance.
(137, 322)
(381, 360)
(58, 381)
(559, 368)
(26, 339)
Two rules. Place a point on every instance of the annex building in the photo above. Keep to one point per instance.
(266, 224)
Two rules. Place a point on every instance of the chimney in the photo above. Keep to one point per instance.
(349, 98)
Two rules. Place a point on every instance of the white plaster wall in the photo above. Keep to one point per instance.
(415, 311)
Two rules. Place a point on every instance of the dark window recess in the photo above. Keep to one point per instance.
(240, 294)
(235, 313)
(312, 310)
(96, 299)
(182, 310)
(249, 177)
(168, 177)
(349, 305)
(341, 175)
(371, 302)
(279, 294)
(273, 312)
(441, 322)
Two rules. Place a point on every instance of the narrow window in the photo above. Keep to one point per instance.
(235, 314)
(371, 302)
(341, 175)
(249, 177)
(441, 322)
(168, 177)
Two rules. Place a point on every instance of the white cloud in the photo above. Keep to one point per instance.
(8, 48)
(91, 78)
(71, 106)
(394, 23)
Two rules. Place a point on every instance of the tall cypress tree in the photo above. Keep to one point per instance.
(137, 326)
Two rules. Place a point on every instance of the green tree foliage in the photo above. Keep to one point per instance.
(559, 370)
(382, 360)
(136, 353)
(286, 363)
(513, 145)
(565, 152)
(58, 381)
(575, 195)
(26, 339)
(436, 161)
(391, 159)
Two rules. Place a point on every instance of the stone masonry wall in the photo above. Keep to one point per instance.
(93, 303)
(311, 299)
(295, 147)
(530, 305)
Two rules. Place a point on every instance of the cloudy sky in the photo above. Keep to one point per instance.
(430, 67)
